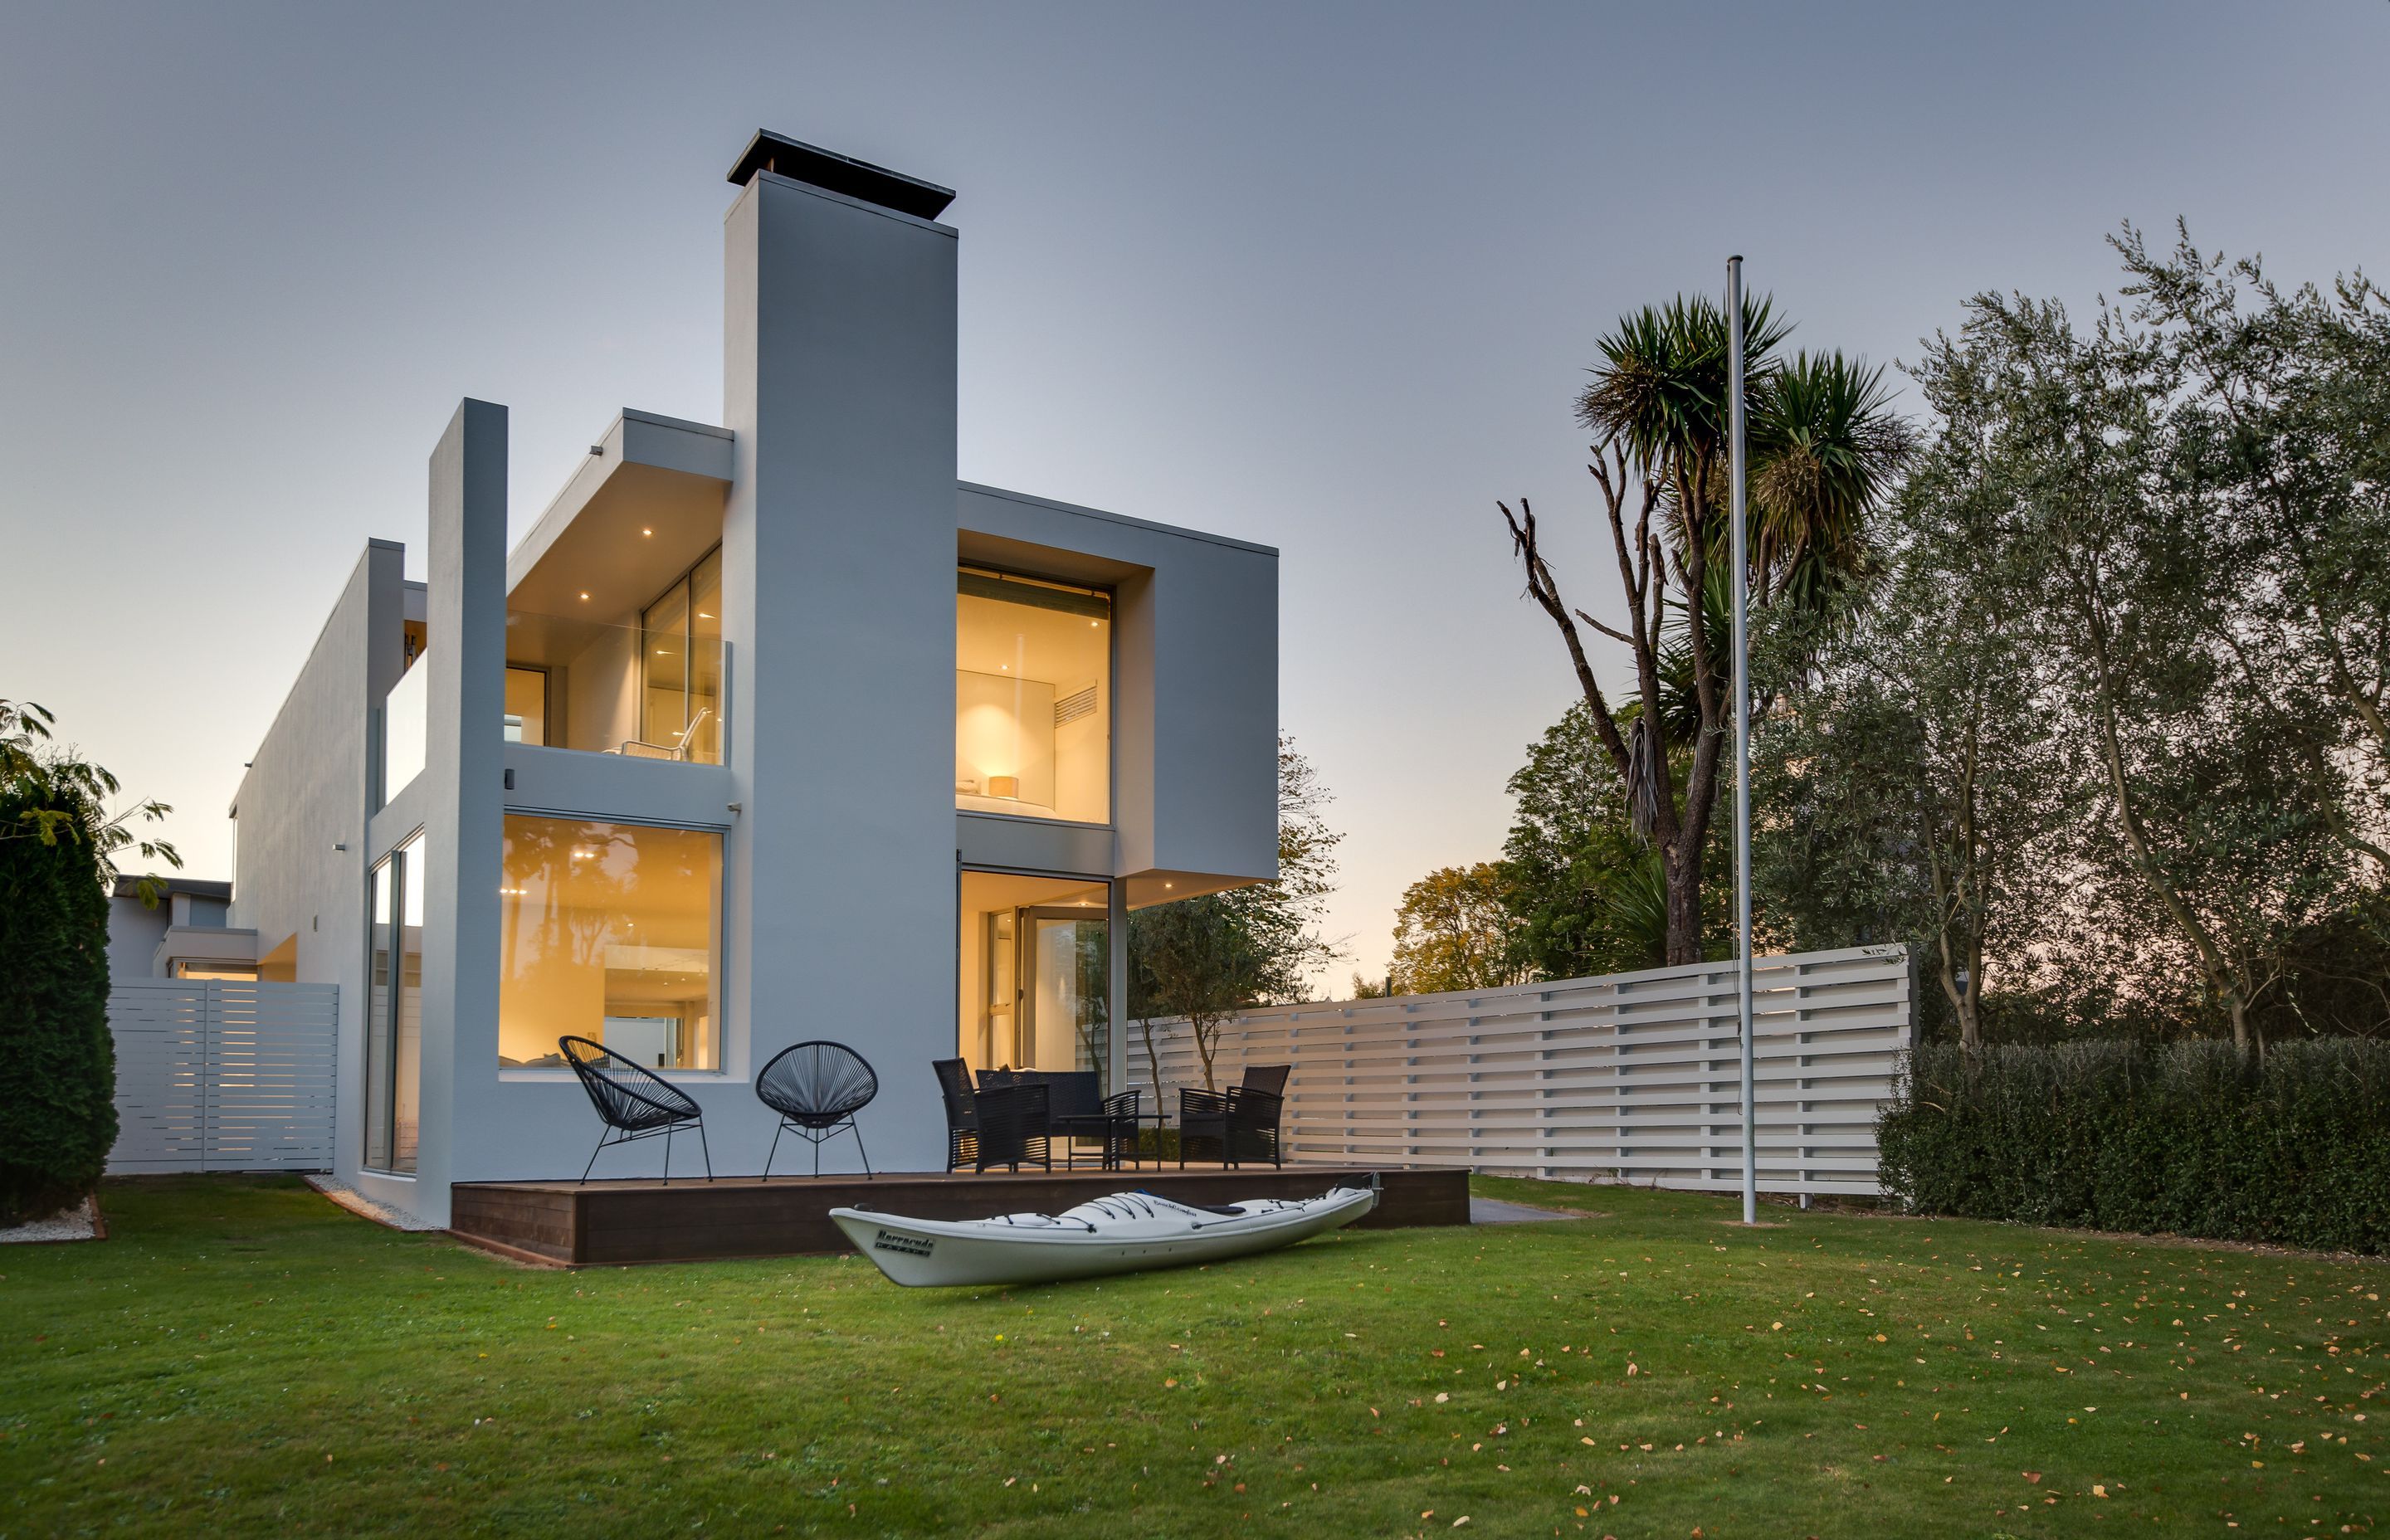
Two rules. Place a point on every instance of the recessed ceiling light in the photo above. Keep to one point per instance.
(584, 596)
(647, 531)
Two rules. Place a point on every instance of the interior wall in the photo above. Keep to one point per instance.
(602, 691)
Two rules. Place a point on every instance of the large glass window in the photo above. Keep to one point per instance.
(1035, 969)
(394, 1010)
(680, 666)
(613, 932)
(1033, 698)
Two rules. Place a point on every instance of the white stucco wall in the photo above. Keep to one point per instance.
(306, 794)
(1195, 686)
(840, 531)
(838, 546)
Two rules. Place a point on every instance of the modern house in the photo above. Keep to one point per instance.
(768, 730)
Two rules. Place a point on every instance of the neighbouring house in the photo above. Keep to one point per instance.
(768, 730)
(187, 933)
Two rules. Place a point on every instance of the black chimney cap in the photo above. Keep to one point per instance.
(840, 173)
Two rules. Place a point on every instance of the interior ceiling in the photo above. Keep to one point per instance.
(1017, 640)
(1147, 889)
(606, 553)
(983, 892)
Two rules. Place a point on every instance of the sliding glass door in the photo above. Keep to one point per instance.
(1035, 963)
(1064, 1020)
(394, 1010)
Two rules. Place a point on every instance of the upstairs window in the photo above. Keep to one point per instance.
(680, 668)
(1033, 698)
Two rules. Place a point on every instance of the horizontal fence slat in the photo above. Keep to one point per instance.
(222, 1074)
(1633, 1077)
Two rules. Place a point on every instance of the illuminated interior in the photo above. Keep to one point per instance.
(647, 690)
(526, 704)
(1035, 960)
(1033, 698)
(612, 932)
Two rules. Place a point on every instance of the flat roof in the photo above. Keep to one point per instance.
(129, 887)
(840, 173)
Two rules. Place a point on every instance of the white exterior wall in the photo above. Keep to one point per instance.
(838, 611)
(841, 526)
(306, 794)
(1194, 686)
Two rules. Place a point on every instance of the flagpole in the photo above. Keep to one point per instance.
(1741, 558)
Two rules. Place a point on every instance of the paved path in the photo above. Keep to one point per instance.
(1493, 1211)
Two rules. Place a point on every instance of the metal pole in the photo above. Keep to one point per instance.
(1741, 558)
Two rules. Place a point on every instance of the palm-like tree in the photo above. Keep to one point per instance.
(1826, 448)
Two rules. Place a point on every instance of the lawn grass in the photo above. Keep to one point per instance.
(244, 1358)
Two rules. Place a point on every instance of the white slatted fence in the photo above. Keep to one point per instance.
(223, 1074)
(1634, 1077)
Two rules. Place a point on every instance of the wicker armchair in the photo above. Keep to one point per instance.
(1079, 1112)
(1012, 1127)
(818, 1087)
(1241, 1122)
(632, 1101)
(962, 1111)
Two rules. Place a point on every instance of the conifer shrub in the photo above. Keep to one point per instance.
(58, 1062)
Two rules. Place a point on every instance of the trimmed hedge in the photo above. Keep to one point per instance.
(58, 1062)
(2189, 1138)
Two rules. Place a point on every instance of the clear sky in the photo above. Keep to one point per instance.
(1321, 275)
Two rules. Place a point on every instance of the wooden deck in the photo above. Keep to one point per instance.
(608, 1224)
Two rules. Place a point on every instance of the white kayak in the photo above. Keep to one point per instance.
(1126, 1232)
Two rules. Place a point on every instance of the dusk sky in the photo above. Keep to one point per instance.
(1322, 276)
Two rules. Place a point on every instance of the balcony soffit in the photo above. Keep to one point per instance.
(652, 474)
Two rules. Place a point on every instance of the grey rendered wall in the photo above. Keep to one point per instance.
(463, 1108)
(306, 793)
(1195, 677)
(838, 544)
(133, 933)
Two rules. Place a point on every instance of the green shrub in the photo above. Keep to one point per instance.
(58, 1063)
(2186, 1137)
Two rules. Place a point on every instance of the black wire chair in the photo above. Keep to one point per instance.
(1012, 1127)
(817, 1087)
(1243, 1121)
(632, 1101)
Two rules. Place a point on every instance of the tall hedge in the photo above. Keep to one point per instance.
(2191, 1138)
(58, 1063)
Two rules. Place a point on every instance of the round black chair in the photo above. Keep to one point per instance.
(817, 1087)
(631, 1100)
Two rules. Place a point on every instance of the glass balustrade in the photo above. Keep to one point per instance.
(648, 691)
